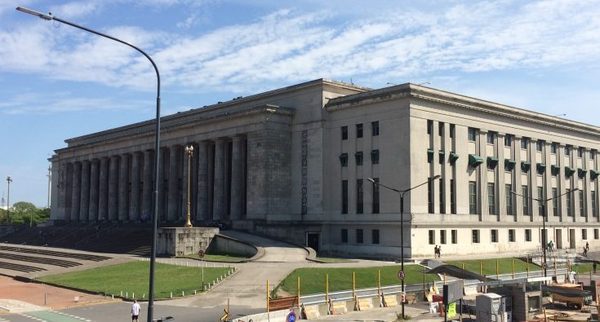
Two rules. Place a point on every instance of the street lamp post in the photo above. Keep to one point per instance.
(401, 193)
(189, 150)
(544, 203)
(8, 181)
(50, 17)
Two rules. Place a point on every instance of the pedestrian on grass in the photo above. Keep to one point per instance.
(135, 311)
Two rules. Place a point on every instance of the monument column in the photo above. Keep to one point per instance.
(84, 202)
(173, 183)
(76, 191)
(134, 200)
(113, 189)
(94, 193)
(147, 186)
(103, 189)
(219, 180)
(202, 196)
(123, 187)
(236, 178)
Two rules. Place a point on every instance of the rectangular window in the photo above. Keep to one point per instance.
(494, 235)
(344, 235)
(431, 237)
(359, 196)
(593, 199)
(452, 130)
(475, 236)
(452, 197)
(593, 154)
(554, 148)
(472, 197)
(376, 196)
(511, 235)
(580, 152)
(374, 156)
(569, 203)
(555, 208)
(344, 196)
(359, 130)
(358, 157)
(442, 197)
(581, 204)
(568, 150)
(584, 234)
(429, 127)
(541, 198)
(430, 206)
(441, 129)
(539, 145)
(596, 233)
(525, 194)
(510, 209)
(375, 128)
(491, 198)
(454, 236)
(344, 133)
(524, 143)
(359, 236)
(375, 236)
(443, 236)
(527, 235)
(508, 140)
(344, 160)
(472, 134)
(491, 137)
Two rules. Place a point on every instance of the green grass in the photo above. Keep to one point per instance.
(225, 258)
(132, 278)
(582, 268)
(489, 265)
(312, 280)
(334, 260)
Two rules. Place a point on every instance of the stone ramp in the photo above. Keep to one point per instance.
(274, 250)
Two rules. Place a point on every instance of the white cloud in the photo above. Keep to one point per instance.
(75, 9)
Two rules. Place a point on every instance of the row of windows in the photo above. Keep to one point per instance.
(476, 237)
(359, 197)
(510, 194)
(358, 158)
(359, 236)
(359, 130)
(509, 138)
(440, 128)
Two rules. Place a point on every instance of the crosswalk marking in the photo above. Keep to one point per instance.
(53, 316)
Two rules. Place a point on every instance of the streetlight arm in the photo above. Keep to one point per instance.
(437, 176)
(543, 200)
(382, 185)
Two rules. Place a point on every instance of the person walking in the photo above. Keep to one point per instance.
(135, 311)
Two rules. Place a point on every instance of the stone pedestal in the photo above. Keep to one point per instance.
(181, 241)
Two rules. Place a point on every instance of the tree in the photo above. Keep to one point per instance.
(23, 212)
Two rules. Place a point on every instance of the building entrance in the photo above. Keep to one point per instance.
(312, 241)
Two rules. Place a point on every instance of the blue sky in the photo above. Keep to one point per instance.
(57, 82)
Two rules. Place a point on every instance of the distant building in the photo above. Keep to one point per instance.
(293, 163)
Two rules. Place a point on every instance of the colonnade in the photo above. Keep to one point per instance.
(119, 187)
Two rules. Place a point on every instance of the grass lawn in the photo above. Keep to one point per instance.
(489, 265)
(312, 280)
(225, 258)
(334, 260)
(582, 268)
(132, 278)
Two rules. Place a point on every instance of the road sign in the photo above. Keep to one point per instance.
(400, 275)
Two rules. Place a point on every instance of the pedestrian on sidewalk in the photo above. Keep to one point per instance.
(135, 311)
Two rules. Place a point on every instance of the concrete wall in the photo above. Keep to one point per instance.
(222, 244)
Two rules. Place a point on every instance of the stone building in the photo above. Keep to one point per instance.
(294, 163)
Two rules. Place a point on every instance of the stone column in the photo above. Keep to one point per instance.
(202, 196)
(84, 203)
(113, 188)
(124, 188)
(103, 189)
(62, 191)
(76, 191)
(134, 199)
(236, 178)
(562, 183)
(483, 177)
(94, 190)
(147, 186)
(219, 180)
(517, 181)
(173, 183)
(501, 182)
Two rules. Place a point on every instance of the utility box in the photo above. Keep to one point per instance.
(490, 308)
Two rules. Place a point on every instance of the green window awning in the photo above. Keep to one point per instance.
(581, 172)
(492, 162)
(453, 157)
(429, 155)
(525, 166)
(555, 169)
(593, 174)
(541, 168)
(569, 171)
(509, 164)
(475, 160)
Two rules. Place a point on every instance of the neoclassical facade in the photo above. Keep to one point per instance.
(295, 163)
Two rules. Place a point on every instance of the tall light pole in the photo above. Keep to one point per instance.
(8, 181)
(49, 185)
(189, 150)
(401, 193)
(544, 218)
(50, 17)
